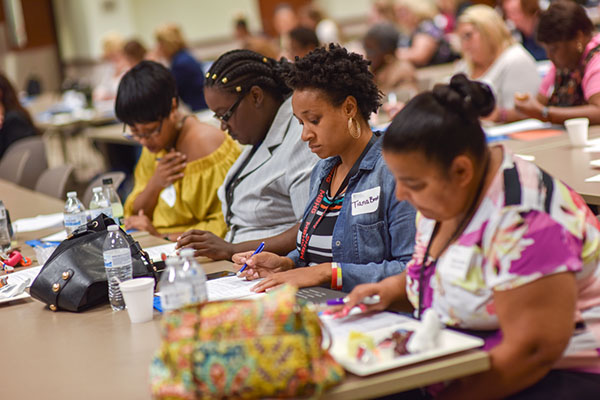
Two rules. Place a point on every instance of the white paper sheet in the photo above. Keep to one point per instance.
(514, 127)
(595, 178)
(230, 287)
(156, 252)
(23, 274)
(37, 223)
(362, 323)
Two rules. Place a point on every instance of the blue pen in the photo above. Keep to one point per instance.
(260, 248)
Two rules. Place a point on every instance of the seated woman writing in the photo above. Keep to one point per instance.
(183, 161)
(265, 191)
(353, 229)
(571, 89)
(502, 248)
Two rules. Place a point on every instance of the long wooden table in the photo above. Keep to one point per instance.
(99, 354)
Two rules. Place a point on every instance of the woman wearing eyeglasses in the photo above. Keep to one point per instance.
(265, 191)
(183, 161)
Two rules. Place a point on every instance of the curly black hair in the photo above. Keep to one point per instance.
(239, 70)
(338, 74)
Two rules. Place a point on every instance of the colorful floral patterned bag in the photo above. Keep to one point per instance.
(268, 347)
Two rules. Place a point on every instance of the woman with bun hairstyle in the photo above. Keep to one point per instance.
(353, 229)
(502, 249)
(265, 191)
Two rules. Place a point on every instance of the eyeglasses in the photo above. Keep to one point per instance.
(146, 136)
(229, 113)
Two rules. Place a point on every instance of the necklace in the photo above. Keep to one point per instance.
(459, 229)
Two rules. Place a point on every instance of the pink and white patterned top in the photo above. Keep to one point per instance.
(529, 225)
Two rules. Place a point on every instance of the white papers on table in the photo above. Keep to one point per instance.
(362, 322)
(24, 274)
(592, 146)
(595, 178)
(514, 127)
(37, 223)
(230, 287)
(155, 253)
(55, 237)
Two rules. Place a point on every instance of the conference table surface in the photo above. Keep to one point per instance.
(99, 354)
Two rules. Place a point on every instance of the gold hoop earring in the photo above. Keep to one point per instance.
(354, 128)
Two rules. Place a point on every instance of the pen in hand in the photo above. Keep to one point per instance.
(260, 248)
(369, 300)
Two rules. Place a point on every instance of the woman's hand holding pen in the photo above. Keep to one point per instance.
(169, 169)
(387, 290)
(260, 265)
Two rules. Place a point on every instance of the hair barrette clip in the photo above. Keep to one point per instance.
(207, 75)
(214, 76)
(265, 59)
(238, 89)
(224, 80)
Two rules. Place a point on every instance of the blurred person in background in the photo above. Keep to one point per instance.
(284, 20)
(186, 70)
(381, 11)
(302, 41)
(312, 17)
(449, 11)
(257, 43)
(493, 56)
(392, 75)
(15, 121)
(427, 44)
(134, 52)
(524, 14)
(116, 66)
(571, 88)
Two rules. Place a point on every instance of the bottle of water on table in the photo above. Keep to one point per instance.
(114, 200)
(175, 290)
(74, 214)
(117, 262)
(195, 275)
(4, 233)
(99, 204)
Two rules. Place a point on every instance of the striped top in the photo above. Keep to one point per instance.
(319, 247)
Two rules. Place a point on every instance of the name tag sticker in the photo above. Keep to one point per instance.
(169, 196)
(456, 262)
(365, 202)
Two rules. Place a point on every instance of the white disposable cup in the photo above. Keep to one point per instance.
(138, 294)
(577, 128)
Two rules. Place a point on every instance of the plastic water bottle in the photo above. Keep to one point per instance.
(117, 262)
(114, 200)
(195, 275)
(74, 214)
(175, 290)
(4, 233)
(99, 204)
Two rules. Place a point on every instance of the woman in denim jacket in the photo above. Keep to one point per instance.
(353, 229)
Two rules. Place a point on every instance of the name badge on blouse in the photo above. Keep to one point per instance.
(365, 202)
(456, 262)
(168, 195)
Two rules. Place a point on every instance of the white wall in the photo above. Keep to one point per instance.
(82, 23)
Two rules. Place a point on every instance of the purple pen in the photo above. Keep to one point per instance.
(369, 300)
(336, 302)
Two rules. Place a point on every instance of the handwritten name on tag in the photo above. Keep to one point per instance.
(169, 196)
(365, 202)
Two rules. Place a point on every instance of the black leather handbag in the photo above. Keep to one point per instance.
(74, 278)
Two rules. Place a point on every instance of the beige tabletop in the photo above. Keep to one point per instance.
(99, 354)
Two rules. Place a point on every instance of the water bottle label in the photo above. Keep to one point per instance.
(97, 211)
(117, 258)
(170, 298)
(2, 213)
(74, 220)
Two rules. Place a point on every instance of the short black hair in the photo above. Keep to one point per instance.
(386, 35)
(145, 94)
(444, 122)
(238, 70)
(561, 21)
(338, 74)
(305, 37)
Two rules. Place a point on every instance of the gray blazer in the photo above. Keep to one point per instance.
(274, 186)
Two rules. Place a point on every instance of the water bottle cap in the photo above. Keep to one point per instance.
(97, 189)
(112, 228)
(107, 181)
(72, 194)
(187, 252)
